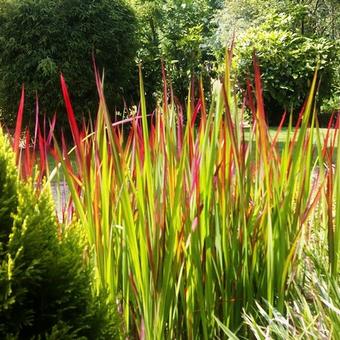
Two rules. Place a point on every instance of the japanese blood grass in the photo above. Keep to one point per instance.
(190, 223)
(26, 148)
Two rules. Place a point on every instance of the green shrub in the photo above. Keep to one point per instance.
(287, 62)
(45, 287)
(41, 38)
(290, 37)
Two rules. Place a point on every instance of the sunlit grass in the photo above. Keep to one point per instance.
(194, 222)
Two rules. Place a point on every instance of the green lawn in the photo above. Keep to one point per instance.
(282, 137)
(283, 134)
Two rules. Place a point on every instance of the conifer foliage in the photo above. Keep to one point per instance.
(45, 287)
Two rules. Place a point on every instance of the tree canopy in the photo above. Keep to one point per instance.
(39, 39)
(179, 33)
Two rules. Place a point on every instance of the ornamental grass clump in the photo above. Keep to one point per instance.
(192, 225)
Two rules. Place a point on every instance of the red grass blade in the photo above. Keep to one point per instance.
(42, 151)
(18, 126)
(70, 113)
(52, 127)
(165, 90)
(195, 113)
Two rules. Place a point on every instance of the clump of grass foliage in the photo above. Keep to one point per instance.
(199, 233)
(45, 286)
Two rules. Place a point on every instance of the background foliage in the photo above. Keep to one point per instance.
(313, 18)
(40, 39)
(289, 37)
(179, 33)
(288, 62)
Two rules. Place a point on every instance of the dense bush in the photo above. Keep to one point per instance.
(290, 39)
(41, 38)
(287, 62)
(45, 289)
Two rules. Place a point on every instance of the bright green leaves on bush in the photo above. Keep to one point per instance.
(287, 62)
(290, 38)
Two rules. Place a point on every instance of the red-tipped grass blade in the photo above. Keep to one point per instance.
(70, 113)
(18, 126)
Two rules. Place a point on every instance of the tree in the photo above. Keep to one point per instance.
(237, 16)
(178, 32)
(186, 28)
(149, 15)
(315, 18)
(39, 39)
